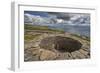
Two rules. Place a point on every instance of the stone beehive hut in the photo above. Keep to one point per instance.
(61, 44)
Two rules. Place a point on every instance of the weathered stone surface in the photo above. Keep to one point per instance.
(35, 51)
(86, 49)
(79, 55)
(74, 55)
(54, 48)
(70, 56)
(47, 55)
(84, 52)
(31, 54)
(63, 56)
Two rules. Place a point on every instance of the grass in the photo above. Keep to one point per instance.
(30, 37)
(41, 28)
(46, 28)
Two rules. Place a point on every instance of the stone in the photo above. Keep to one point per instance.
(47, 55)
(74, 55)
(83, 52)
(79, 55)
(69, 56)
(35, 51)
(60, 43)
(86, 49)
(65, 55)
(55, 46)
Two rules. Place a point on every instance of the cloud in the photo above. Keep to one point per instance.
(27, 18)
(56, 18)
(35, 19)
(64, 16)
(81, 19)
(72, 18)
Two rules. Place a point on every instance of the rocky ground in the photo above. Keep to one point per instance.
(34, 52)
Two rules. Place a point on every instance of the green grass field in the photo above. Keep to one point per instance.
(41, 28)
(29, 37)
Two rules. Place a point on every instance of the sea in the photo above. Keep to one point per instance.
(83, 30)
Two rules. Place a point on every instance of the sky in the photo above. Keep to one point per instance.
(37, 13)
(38, 17)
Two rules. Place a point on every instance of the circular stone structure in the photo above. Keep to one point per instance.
(60, 43)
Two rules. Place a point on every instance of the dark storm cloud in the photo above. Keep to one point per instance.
(66, 16)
